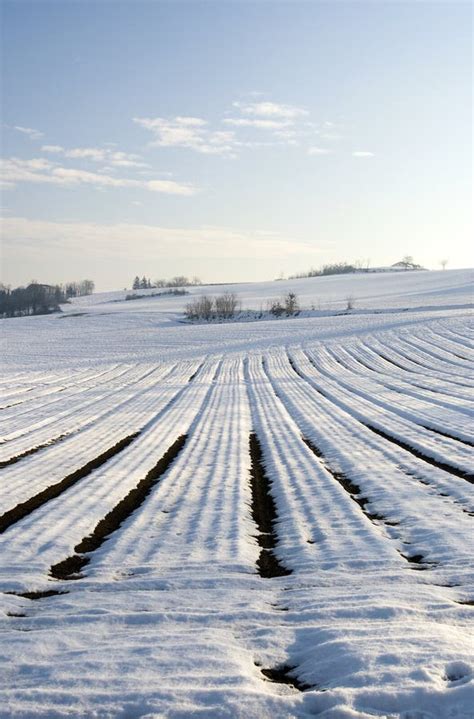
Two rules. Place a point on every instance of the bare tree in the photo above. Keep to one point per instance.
(443, 264)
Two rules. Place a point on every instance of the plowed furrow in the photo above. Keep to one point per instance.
(264, 513)
(33, 450)
(451, 469)
(70, 567)
(38, 500)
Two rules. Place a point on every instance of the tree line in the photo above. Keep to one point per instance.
(38, 298)
(144, 283)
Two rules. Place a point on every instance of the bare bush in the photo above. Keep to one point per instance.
(225, 305)
(207, 308)
(289, 305)
(292, 306)
(275, 307)
(201, 308)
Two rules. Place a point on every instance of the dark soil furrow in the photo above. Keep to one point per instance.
(352, 489)
(38, 500)
(264, 514)
(38, 594)
(449, 436)
(284, 675)
(355, 493)
(451, 469)
(71, 567)
(468, 476)
(33, 450)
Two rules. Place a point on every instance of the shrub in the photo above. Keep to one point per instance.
(225, 305)
(206, 308)
(291, 304)
(200, 308)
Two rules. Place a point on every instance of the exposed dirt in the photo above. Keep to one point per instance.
(33, 450)
(283, 675)
(38, 595)
(468, 476)
(54, 490)
(264, 513)
(351, 488)
(449, 436)
(71, 567)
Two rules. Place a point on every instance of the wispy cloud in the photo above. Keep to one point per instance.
(319, 151)
(29, 131)
(189, 132)
(362, 153)
(39, 170)
(257, 122)
(108, 240)
(97, 154)
(271, 110)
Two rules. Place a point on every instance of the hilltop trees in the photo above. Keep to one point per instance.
(38, 298)
(35, 299)
(179, 281)
(78, 289)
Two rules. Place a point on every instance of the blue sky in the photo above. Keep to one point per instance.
(233, 140)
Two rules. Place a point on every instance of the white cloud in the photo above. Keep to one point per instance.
(271, 109)
(188, 132)
(15, 170)
(56, 149)
(97, 154)
(149, 240)
(319, 151)
(169, 187)
(362, 153)
(190, 121)
(258, 123)
(30, 131)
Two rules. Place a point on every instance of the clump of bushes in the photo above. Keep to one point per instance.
(289, 305)
(223, 307)
(178, 292)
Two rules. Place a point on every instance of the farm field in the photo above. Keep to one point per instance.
(257, 520)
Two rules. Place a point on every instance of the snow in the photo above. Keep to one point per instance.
(365, 425)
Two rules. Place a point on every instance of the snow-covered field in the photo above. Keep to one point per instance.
(266, 519)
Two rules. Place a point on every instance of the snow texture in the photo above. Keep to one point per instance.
(364, 420)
